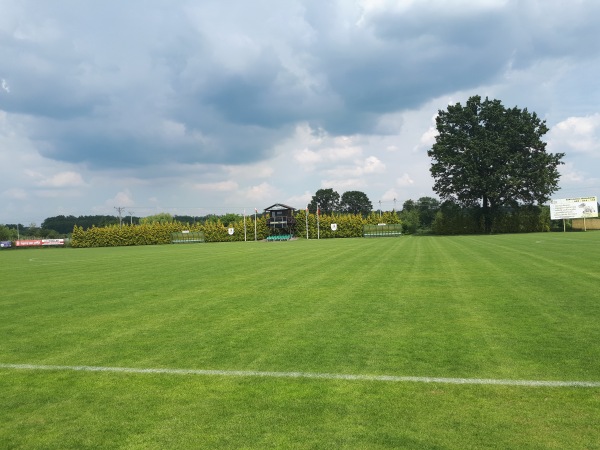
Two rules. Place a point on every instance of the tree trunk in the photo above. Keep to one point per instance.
(487, 215)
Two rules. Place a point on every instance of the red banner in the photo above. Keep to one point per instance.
(29, 243)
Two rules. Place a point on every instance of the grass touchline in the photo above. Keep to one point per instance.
(324, 376)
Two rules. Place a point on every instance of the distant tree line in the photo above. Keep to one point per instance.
(13, 231)
(64, 224)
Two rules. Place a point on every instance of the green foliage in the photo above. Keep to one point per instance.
(492, 156)
(409, 205)
(157, 218)
(231, 219)
(186, 219)
(64, 224)
(6, 234)
(327, 199)
(355, 202)
(418, 216)
(427, 207)
(454, 219)
(115, 236)
(156, 233)
(29, 232)
(348, 225)
(410, 220)
(385, 217)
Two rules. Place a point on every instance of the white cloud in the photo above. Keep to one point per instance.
(15, 194)
(121, 199)
(261, 193)
(389, 195)
(307, 157)
(576, 134)
(310, 158)
(223, 186)
(428, 138)
(404, 180)
(343, 185)
(373, 165)
(62, 180)
(299, 200)
(250, 171)
(569, 174)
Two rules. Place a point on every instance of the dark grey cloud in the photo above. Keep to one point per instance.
(112, 84)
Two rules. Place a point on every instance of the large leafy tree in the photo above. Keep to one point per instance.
(355, 202)
(328, 201)
(492, 156)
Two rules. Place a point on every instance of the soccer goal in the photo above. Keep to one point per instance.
(187, 237)
(382, 230)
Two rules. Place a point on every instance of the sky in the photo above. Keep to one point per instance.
(216, 106)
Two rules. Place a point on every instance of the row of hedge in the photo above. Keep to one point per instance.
(348, 225)
(160, 233)
(452, 219)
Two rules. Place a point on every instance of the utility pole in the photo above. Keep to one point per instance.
(120, 209)
(380, 209)
(130, 217)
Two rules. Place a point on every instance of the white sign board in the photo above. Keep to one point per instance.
(573, 208)
(230, 231)
(333, 226)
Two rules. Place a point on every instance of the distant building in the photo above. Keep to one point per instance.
(280, 218)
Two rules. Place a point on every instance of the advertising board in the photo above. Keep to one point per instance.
(573, 208)
(53, 242)
(28, 243)
(38, 242)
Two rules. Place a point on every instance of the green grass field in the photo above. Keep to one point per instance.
(510, 307)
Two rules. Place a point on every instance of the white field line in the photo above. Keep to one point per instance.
(325, 376)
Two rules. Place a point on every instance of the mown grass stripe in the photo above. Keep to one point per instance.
(326, 376)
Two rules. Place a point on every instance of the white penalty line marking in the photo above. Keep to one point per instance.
(322, 376)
